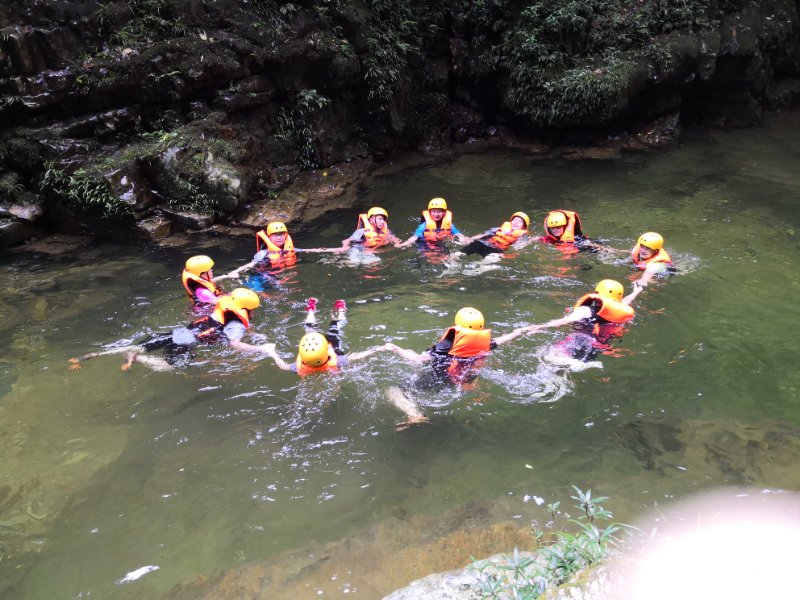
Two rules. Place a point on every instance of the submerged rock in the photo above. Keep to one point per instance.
(371, 563)
(728, 451)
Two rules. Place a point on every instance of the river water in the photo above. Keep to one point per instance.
(230, 478)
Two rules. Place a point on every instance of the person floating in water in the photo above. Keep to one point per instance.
(318, 353)
(497, 239)
(564, 230)
(454, 361)
(372, 231)
(198, 281)
(227, 323)
(275, 251)
(598, 318)
(649, 256)
(436, 225)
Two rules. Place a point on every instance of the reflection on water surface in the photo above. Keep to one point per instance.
(233, 465)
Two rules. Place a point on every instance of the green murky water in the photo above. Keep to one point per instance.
(231, 461)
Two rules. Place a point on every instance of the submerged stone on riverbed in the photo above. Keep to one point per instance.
(735, 453)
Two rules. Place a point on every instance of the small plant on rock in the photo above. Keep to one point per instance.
(526, 577)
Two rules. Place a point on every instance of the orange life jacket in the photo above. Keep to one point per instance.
(566, 243)
(469, 348)
(468, 342)
(659, 257)
(192, 282)
(224, 312)
(434, 233)
(373, 237)
(613, 314)
(278, 257)
(505, 236)
(330, 365)
(612, 311)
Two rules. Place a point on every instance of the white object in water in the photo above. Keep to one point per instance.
(140, 572)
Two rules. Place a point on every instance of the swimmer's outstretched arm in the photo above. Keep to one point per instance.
(408, 355)
(485, 234)
(269, 350)
(367, 353)
(245, 347)
(235, 273)
(408, 242)
(650, 271)
(318, 250)
(518, 332)
(638, 286)
(580, 313)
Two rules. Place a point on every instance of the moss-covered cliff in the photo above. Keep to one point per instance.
(164, 112)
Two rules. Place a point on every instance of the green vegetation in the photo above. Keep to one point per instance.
(569, 60)
(150, 20)
(524, 578)
(394, 43)
(83, 189)
(294, 125)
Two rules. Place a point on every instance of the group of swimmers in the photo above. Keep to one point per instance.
(455, 358)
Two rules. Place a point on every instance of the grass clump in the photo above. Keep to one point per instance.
(526, 578)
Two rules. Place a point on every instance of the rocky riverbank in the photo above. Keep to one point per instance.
(143, 117)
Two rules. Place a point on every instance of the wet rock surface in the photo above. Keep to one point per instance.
(159, 110)
(370, 564)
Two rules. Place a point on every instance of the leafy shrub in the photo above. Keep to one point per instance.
(528, 578)
(294, 124)
(84, 190)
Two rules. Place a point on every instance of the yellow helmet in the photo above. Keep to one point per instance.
(244, 298)
(314, 349)
(608, 288)
(377, 210)
(438, 203)
(469, 318)
(276, 227)
(524, 217)
(556, 219)
(651, 240)
(199, 264)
